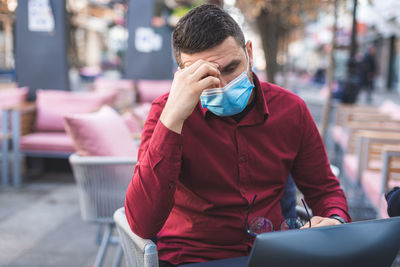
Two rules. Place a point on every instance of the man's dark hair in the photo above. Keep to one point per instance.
(202, 28)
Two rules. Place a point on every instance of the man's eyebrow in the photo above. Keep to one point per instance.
(233, 64)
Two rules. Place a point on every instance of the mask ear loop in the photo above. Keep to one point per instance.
(248, 60)
(248, 68)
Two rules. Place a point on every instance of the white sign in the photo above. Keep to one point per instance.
(40, 16)
(146, 40)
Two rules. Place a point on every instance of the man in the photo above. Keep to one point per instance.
(205, 153)
(393, 201)
(368, 71)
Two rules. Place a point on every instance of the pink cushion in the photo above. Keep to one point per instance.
(133, 124)
(340, 136)
(13, 96)
(110, 84)
(53, 105)
(141, 111)
(101, 133)
(375, 164)
(49, 142)
(389, 107)
(124, 90)
(350, 163)
(396, 116)
(151, 89)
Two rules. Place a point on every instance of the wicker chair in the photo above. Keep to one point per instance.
(102, 184)
(139, 252)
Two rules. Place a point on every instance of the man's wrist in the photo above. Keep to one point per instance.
(171, 123)
(339, 218)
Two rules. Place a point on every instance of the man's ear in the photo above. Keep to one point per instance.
(249, 48)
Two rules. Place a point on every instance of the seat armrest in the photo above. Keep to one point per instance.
(25, 107)
(379, 135)
(101, 160)
(138, 251)
(392, 148)
(23, 118)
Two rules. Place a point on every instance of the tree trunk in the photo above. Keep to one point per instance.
(268, 25)
(329, 76)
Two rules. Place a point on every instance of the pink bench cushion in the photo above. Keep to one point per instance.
(350, 164)
(13, 96)
(101, 133)
(141, 111)
(389, 107)
(124, 90)
(110, 84)
(53, 105)
(151, 89)
(47, 142)
(133, 124)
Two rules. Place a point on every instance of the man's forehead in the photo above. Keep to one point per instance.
(220, 61)
(222, 54)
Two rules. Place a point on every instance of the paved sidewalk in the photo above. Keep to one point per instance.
(40, 226)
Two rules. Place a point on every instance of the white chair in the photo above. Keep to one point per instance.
(102, 184)
(138, 252)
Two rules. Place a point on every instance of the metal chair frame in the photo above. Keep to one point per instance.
(102, 183)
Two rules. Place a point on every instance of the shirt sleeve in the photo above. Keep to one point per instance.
(312, 173)
(150, 195)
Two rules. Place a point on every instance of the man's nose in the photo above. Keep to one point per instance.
(222, 82)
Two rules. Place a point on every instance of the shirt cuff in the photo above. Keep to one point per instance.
(339, 212)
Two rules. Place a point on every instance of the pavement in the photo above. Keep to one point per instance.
(40, 224)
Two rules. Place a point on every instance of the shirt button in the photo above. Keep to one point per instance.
(180, 147)
(171, 185)
(244, 191)
(242, 158)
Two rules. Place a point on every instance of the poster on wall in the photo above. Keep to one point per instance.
(40, 16)
(146, 40)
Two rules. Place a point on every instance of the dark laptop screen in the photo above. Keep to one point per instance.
(372, 243)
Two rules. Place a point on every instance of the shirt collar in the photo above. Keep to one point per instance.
(261, 103)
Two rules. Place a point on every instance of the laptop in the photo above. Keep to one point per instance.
(373, 243)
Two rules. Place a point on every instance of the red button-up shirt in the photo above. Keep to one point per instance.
(193, 190)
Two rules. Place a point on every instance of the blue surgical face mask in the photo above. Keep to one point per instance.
(232, 98)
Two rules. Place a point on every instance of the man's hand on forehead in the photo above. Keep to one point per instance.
(187, 86)
(199, 62)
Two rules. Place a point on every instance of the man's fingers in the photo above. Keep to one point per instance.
(315, 220)
(208, 82)
(193, 67)
(204, 70)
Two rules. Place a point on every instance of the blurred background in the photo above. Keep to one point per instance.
(63, 61)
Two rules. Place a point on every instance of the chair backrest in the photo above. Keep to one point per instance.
(102, 184)
(138, 252)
